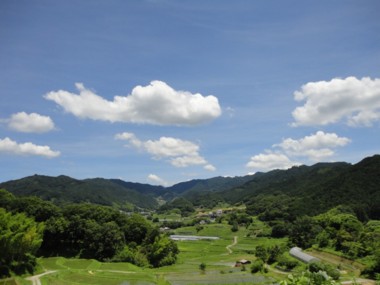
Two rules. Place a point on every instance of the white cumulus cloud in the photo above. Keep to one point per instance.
(209, 167)
(157, 103)
(157, 180)
(315, 147)
(269, 161)
(30, 123)
(11, 147)
(355, 101)
(181, 153)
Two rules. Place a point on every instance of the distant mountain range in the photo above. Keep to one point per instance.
(323, 185)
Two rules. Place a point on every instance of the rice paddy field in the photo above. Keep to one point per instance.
(219, 256)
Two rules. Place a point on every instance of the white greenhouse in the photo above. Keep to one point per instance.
(300, 255)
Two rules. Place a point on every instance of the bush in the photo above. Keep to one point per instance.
(280, 230)
(330, 270)
(257, 266)
(287, 264)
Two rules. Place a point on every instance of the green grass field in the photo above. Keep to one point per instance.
(214, 253)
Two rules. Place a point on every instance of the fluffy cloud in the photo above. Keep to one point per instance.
(357, 101)
(315, 147)
(181, 153)
(269, 161)
(156, 103)
(209, 167)
(9, 146)
(157, 180)
(30, 123)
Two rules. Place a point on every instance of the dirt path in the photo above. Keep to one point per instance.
(360, 281)
(228, 247)
(36, 278)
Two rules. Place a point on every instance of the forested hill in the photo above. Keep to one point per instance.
(299, 190)
(112, 192)
(64, 189)
(313, 190)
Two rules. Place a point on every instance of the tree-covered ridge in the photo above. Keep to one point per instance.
(313, 190)
(64, 189)
(30, 226)
(288, 193)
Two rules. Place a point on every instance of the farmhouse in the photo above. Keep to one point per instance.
(296, 252)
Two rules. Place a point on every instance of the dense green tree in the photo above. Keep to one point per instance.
(183, 205)
(163, 251)
(286, 263)
(303, 232)
(257, 266)
(329, 269)
(20, 238)
(273, 253)
(309, 278)
(34, 207)
(6, 199)
(235, 226)
(280, 229)
(261, 253)
(136, 228)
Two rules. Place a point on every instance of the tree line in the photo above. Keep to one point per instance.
(31, 227)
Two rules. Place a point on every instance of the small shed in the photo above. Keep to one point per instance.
(297, 252)
(242, 262)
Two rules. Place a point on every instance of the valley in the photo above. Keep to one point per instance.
(217, 231)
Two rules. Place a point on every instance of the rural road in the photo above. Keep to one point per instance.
(228, 247)
(36, 278)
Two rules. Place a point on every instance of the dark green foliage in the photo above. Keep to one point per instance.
(257, 266)
(203, 199)
(303, 232)
(172, 224)
(235, 226)
(77, 230)
(268, 254)
(20, 238)
(183, 205)
(311, 190)
(216, 184)
(6, 199)
(309, 278)
(286, 263)
(274, 253)
(329, 269)
(35, 207)
(261, 253)
(63, 189)
(280, 229)
(343, 231)
(163, 251)
(241, 219)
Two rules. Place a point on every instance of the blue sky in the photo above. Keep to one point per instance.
(165, 91)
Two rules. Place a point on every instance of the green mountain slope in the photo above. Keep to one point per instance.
(300, 190)
(63, 189)
(314, 189)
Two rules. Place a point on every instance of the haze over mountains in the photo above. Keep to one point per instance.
(311, 189)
